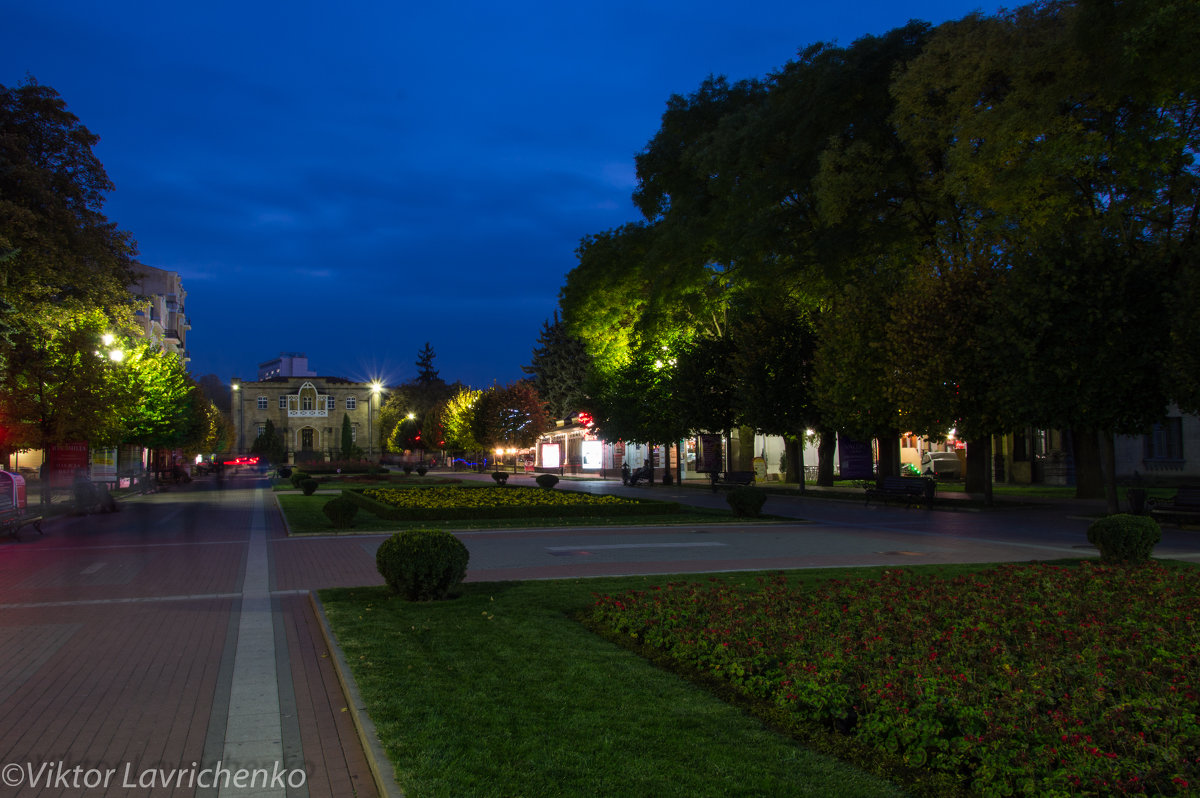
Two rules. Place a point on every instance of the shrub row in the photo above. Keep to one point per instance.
(393, 513)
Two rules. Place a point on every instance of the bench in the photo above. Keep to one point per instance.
(906, 489)
(1185, 504)
(11, 522)
(731, 478)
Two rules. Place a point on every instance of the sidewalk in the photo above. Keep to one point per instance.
(132, 654)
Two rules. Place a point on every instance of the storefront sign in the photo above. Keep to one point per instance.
(855, 459)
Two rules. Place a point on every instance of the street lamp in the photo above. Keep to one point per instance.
(375, 389)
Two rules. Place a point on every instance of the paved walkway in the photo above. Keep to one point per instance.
(145, 653)
(165, 649)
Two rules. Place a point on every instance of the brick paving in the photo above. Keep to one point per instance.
(116, 640)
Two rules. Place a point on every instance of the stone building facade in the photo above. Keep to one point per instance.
(308, 411)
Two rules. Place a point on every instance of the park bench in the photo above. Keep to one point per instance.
(909, 490)
(731, 478)
(11, 522)
(1184, 505)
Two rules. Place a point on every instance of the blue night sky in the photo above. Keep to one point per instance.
(353, 180)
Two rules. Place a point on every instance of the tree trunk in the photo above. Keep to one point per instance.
(1108, 465)
(979, 467)
(889, 456)
(1089, 480)
(793, 450)
(826, 449)
(745, 449)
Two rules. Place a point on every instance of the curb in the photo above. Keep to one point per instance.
(381, 767)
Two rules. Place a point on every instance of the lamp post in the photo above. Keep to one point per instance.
(375, 388)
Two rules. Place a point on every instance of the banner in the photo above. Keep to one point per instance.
(64, 461)
(708, 454)
(855, 459)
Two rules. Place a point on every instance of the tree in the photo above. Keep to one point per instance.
(510, 416)
(350, 450)
(458, 420)
(58, 243)
(559, 369)
(269, 444)
(426, 373)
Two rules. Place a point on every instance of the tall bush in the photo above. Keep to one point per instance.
(422, 564)
(1124, 537)
(746, 500)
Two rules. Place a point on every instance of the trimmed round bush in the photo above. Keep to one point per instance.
(546, 481)
(422, 564)
(297, 477)
(501, 477)
(1124, 537)
(340, 512)
(746, 500)
(422, 470)
(309, 486)
(407, 469)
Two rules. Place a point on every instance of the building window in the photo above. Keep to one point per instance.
(261, 429)
(283, 402)
(307, 400)
(1165, 441)
(354, 433)
(351, 403)
(331, 402)
(262, 403)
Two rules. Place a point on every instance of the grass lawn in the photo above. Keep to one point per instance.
(501, 692)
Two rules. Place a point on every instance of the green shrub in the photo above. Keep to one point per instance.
(422, 564)
(407, 469)
(501, 477)
(309, 486)
(340, 512)
(546, 481)
(297, 477)
(746, 500)
(1124, 537)
(422, 470)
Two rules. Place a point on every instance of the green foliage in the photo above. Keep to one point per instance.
(513, 415)
(458, 420)
(746, 501)
(501, 477)
(546, 481)
(422, 564)
(340, 512)
(422, 470)
(297, 477)
(350, 450)
(53, 189)
(407, 468)
(559, 369)
(1030, 679)
(1125, 538)
(269, 445)
(309, 486)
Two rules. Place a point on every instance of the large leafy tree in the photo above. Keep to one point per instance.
(60, 385)
(458, 420)
(58, 243)
(510, 416)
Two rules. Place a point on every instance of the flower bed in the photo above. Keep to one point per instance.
(1033, 679)
(462, 503)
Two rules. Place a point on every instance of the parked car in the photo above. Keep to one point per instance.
(942, 465)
